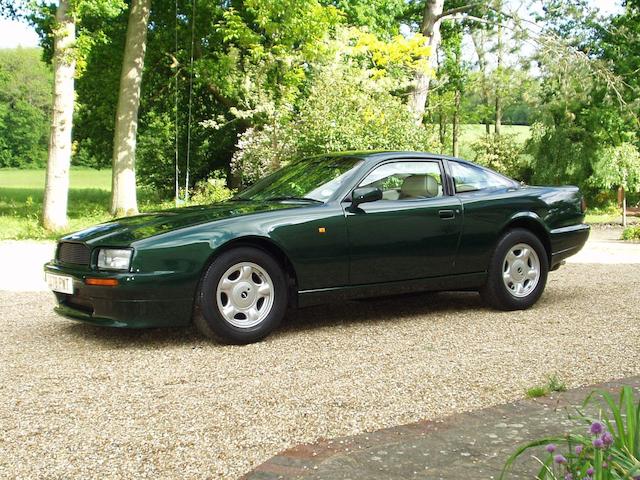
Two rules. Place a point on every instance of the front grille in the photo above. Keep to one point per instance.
(76, 253)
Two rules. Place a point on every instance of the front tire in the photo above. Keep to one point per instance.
(517, 271)
(242, 296)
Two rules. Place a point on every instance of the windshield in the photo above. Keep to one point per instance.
(313, 179)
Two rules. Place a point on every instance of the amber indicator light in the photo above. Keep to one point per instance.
(102, 282)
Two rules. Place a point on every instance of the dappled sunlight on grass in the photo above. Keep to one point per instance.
(21, 199)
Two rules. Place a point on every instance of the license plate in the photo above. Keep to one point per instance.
(59, 283)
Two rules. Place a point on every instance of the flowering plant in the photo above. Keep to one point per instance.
(608, 450)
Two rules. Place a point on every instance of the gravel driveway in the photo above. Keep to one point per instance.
(78, 401)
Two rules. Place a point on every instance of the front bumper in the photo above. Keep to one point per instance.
(160, 299)
(567, 241)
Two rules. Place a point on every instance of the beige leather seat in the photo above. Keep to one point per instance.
(419, 186)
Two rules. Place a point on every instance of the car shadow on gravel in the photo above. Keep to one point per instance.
(377, 310)
(142, 338)
(381, 310)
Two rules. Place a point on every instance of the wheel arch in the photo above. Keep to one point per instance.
(531, 222)
(268, 246)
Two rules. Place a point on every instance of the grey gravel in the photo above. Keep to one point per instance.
(84, 402)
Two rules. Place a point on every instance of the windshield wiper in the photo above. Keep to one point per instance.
(288, 197)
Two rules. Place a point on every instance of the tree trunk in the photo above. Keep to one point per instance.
(442, 128)
(56, 192)
(456, 124)
(500, 54)
(123, 186)
(430, 28)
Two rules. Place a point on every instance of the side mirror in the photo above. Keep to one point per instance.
(364, 195)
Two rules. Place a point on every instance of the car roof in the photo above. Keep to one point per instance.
(381, 155)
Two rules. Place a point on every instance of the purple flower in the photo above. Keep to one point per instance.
(598, 443)
(596, 428)
(607, 438)
(590, 471)
(551, 448)
(559, 459)
(578, 449)
(636, 477)
(568, 476)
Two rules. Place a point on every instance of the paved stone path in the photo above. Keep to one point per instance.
(470, 445)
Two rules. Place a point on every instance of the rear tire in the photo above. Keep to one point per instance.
(242, 297)
(517, 271)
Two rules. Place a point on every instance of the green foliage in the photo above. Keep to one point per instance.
(501, 153)
(609, 449)
(631, 233)
(344, 110)
(212, 190)
(381, 17)
(618, 166)
(155, 153)
(25, 105)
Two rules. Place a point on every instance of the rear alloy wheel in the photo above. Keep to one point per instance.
(242, 296)
(517, 272)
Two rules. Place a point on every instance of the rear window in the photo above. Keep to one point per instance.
(469, 178)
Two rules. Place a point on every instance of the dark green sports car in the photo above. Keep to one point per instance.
(334, 226)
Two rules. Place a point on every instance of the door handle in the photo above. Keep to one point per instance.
(446, 214)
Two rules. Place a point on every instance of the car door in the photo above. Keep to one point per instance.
(412, 232)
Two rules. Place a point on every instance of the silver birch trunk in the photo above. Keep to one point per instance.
(56, 190)
(123, 186)
(430, 28)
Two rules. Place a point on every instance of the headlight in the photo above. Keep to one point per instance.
(114, 259)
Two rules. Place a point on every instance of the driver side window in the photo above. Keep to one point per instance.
(406, 180)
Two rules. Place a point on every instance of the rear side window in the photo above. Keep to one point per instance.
(469, 178)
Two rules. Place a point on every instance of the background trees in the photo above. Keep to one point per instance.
(25, 108)
(236, 88)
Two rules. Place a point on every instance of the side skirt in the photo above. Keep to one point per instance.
(468, 281)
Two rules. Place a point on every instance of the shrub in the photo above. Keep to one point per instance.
(212, 190)
(501, 153)
(608, 449)
(631, 233)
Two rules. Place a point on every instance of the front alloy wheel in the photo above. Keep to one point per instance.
(242, 296)
(245, 295)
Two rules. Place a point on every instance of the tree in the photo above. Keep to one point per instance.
(432, 17)
(54, 213)
(430, 29)
(66, 54)
(123, 187)
(619, 166)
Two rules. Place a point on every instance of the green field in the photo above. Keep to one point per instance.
(471, 132)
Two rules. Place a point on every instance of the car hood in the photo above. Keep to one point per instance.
(124, 231)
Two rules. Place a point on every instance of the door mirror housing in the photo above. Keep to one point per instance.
(365, 195)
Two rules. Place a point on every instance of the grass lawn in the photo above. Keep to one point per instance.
(471, 132)
(21, 195)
